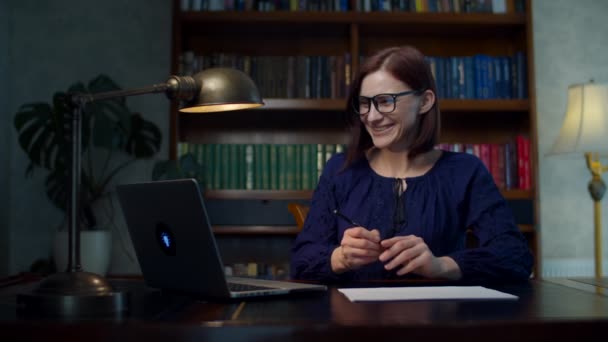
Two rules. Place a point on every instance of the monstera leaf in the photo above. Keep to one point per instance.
(109, 128)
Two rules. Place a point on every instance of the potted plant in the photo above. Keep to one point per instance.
(113, 138)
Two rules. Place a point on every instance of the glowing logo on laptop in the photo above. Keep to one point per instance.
(165, 239)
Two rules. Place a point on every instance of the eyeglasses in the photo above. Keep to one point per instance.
(384, 103)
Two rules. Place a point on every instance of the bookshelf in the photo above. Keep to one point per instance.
(319, 119)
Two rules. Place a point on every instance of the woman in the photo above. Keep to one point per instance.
(412, 203)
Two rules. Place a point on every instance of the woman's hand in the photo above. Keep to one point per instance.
(359, 246)
(410, 254)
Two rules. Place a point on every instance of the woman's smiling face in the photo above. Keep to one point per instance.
(392, 130)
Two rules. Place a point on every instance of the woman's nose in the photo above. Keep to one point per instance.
(374, 114)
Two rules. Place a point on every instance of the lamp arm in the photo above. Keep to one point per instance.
(176, 87)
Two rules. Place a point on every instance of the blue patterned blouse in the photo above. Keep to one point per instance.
(456, 193)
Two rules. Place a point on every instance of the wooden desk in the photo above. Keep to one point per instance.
(545, 311)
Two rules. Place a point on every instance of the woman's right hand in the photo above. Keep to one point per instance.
(359, 247)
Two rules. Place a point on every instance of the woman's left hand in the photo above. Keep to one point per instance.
(410, 254)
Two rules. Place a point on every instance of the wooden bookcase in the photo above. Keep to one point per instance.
(320, 121)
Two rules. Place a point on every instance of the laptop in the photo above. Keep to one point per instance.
(176, 248)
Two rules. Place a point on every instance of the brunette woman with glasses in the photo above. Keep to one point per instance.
(392, 206)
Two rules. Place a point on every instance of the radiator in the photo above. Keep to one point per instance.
(563, 268)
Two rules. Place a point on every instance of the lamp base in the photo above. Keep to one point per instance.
(74, 295)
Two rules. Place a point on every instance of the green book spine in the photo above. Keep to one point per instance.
(265, 166)
(314, 173)
(225, 177)
(233, 168)
(291, 167)
(320, 159)
(282, 167)
(217, 166)
(257, 160)
(305, 166)
(208, 163)
(249, 167)
(274, 167)
(298, 174)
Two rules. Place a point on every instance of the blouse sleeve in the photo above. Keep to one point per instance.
(503, 253)
(312, 249)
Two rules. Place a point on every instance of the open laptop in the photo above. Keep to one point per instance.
(176, 248)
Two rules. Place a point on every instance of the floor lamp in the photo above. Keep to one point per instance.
(75, 292)
(585, 130)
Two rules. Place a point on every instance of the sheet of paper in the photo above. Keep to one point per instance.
(423, 293)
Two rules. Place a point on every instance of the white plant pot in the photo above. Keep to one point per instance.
(95, 251)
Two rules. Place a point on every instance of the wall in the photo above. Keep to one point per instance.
(4, 139)
(53, 44)
(570, 47)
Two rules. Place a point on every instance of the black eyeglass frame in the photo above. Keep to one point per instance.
(373, 100)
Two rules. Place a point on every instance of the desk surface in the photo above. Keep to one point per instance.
(545, 311)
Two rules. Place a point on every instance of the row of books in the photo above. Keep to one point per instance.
(419, 6)
(508, 163)
(480, 76)
(298, 166)
(438, 6)
(283, 76)
(461, 77)
(261, 166)
(259, 270)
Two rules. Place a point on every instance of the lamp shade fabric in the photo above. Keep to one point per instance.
(585, 126)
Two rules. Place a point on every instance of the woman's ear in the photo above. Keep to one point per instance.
(427, 101)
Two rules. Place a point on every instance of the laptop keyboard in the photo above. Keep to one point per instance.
(235, 287)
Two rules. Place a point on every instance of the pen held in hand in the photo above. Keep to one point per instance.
(346, 218)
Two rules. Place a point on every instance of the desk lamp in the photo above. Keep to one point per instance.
(585, 130)
(75, 292)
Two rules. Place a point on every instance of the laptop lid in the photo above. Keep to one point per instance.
(175, 245)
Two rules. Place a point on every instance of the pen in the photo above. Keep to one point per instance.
(346, 218)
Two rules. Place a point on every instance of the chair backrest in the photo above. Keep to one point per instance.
(299, 212)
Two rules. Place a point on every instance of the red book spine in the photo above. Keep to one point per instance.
(495, 165)
(501, 168)
(523, 162)
(484, 150)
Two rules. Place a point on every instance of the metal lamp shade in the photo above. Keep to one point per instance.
(223, 89)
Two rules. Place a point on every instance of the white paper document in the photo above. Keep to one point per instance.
(423, 293)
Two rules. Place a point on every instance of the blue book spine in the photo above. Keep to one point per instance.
(469, 77)
(522, 81)
(480, 74)
(505, 62)
(490, 79)
(498, 83)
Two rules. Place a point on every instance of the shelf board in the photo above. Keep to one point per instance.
(448, 105)
(230, 194)
(316, 17)
(255, 230)
(518, 194)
